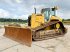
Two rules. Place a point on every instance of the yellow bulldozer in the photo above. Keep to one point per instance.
(41, 26)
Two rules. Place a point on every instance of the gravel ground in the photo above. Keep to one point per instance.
(60, 44)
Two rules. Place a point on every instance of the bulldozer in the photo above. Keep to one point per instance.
(43, 26)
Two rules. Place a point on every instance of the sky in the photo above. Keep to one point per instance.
(21, 9)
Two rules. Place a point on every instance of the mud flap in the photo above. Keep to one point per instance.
(21, 35)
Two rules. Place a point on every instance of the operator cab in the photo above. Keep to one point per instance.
(48, 12)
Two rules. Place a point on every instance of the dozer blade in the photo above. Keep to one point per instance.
(21, 35)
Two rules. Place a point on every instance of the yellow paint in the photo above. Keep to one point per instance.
(57, 25)
(36, 20)
(47, 28)
(53, 18)
(56, 18)
(60, 19)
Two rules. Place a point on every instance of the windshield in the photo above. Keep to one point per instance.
(53, 13)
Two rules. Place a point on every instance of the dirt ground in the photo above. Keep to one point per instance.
(60, 44)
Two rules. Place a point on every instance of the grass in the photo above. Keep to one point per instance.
(66, 22)
(6, 23)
